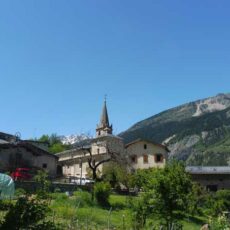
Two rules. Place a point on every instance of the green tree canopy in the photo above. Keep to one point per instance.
(54, 141)
(168, 193)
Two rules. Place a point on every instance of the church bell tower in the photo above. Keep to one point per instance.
(104, 128)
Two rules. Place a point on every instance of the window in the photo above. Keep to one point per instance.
(44, 165)
(212, 188)
(158, 158)
(134, 159)
(145, 159)
(98, 151)
(145, 146)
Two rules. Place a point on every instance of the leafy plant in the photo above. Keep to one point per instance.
(20, 192)
(102, 192)
(168, 194)
(83, 198)
(116, 174)
(28, 213)
(219, 223)
(44, 183)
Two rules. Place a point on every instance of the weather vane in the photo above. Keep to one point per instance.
(105, 97)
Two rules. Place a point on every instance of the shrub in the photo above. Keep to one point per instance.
(102, 192)
(85, 198)
(5, 205)
(28, 213)
(219, 223)
(44, 183)
(59, 197)
(218, 202)
(57, 190)
(20, 192)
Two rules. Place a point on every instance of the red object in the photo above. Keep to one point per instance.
(21, 174)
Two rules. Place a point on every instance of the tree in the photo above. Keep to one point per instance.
(44, 138)
(54, 141)
(93, 164)
(57, 148)
(168, 193)
(116, 174)
(142, 178)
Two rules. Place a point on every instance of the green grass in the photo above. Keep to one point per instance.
(82, 212)
(79, 212)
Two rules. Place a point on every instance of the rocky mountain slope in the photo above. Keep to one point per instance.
(197, 132)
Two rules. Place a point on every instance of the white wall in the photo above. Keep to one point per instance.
(137, 149)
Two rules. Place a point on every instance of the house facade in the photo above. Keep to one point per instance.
(139, 154)
(15, 153)
(145, 154)
(212, 178)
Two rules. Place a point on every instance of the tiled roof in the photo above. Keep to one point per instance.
(152, 142)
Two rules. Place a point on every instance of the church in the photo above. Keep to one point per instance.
(138, 154)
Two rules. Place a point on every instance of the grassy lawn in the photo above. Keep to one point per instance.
(79, 212)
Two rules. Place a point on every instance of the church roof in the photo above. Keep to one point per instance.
(104, 121)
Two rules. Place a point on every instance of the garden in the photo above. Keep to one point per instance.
(167, 200)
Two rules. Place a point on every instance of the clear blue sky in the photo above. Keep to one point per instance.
(59, 58)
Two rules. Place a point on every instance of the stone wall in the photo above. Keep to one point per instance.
(212, 181)
(32, 186)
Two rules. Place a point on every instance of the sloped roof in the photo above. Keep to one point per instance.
(7, 137)
(208, 169)
(34, 149)
(148, 141)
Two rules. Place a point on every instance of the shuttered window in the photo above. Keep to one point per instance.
(145, 159)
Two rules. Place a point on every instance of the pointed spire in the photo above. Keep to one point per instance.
(104, 121)
(103, 127)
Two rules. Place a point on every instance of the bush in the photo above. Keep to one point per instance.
(59, 197)
(5, 205)
(218, 202)
(28, 213)
(57, 190)
(20, 192)
(102, 192)
(219, 223)
(44, 184)
(85, 198)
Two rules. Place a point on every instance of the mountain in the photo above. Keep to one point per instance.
(197, 132)
(74, 138)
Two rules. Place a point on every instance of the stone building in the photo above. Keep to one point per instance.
(212, 178)
(140, 154)
(16, 153)
(146, 154)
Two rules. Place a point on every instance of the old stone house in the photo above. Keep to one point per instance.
(139, 154)
(146, 154)
(15, 153)
(212, 178)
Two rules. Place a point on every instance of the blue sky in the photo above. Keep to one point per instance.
(59, 58)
